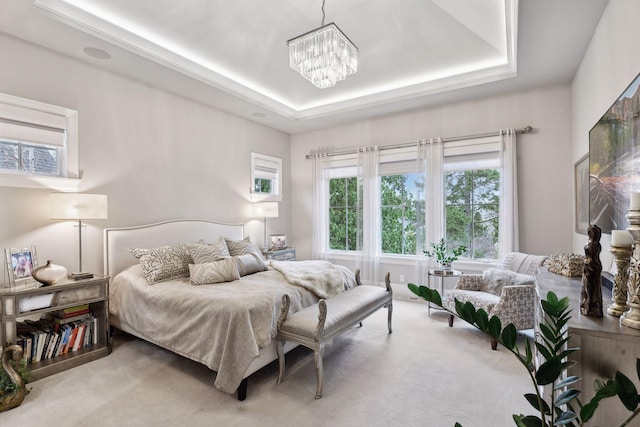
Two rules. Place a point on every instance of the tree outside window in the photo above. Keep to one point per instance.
(399, 212)
(472, 211)
(343, 208)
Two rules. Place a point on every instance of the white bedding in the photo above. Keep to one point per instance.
(222, 325)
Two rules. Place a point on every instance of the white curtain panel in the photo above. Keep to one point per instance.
(509, 239)
(320, 209)
(369, 223)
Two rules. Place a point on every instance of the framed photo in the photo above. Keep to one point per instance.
(581, 185)
(20, 264)
(278, 241)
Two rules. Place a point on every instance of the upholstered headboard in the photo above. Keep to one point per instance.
(117, 241)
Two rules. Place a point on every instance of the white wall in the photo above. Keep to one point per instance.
(156, 155)
(611, 62)
(544, 159)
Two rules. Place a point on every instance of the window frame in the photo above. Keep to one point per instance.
(27, 116)
(270, 168)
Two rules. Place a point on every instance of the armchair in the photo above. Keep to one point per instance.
(508, 292)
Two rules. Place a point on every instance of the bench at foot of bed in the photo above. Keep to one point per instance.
(316, 326)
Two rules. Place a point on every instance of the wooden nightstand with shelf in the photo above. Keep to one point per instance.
(32, 303)
(286, 254)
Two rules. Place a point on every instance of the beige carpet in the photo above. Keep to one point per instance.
(424, 374)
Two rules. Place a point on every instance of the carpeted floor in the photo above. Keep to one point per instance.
(424, 374)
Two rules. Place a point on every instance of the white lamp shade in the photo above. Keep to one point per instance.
(77, 206)
(264, 210)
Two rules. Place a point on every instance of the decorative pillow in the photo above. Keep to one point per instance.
(164, 263)
(202, 253)
(242, 247)
(250, 264)
(225, 270)
(494, 279)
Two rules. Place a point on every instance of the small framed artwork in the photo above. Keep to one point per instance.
(278, 241)
(20, 263)
(581, 183)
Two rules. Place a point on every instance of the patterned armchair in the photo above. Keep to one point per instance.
(508, 292)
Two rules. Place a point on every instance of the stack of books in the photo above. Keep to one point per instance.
(57, 333)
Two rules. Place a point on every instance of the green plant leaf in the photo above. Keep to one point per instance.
(638, 367)
(495, 327)
(528, 421)
(509, 335)
(566, 396)
(567, 382)
(468, 312)
(529, 354)
(626, 391)
(549, 371)
(544, 351)
(565, 418)
(587, 410)
(539, 405)
(413, 288)
(547, 332)
(482, 320)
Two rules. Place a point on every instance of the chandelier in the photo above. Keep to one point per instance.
(323, 56)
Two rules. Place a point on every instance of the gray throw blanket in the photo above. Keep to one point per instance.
(320, 277)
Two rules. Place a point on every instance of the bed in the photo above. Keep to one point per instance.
(230, 327)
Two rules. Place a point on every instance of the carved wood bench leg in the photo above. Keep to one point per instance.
(451, 320)
(317, 357)
(494, 344)
(242, 389)
(390, 311)
(280, 351)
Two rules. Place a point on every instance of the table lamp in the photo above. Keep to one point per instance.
(265, 210)
(78, 207)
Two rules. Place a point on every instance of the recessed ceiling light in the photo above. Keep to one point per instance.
(94, 52)
(258, 115)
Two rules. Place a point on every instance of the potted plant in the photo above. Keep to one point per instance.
(14, 374)
(443, 255)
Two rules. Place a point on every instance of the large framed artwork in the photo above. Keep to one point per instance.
(614, 161)
(581, 186)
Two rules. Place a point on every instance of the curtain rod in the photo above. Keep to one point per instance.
(525, 129)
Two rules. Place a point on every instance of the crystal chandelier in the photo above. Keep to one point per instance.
(323, 56)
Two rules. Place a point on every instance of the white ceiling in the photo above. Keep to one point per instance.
(233, 55)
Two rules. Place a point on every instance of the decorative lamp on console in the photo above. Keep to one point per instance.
(264, 210)
(78, 207)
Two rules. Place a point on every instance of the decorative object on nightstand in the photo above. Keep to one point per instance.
(264, 210)
(20, 263)
(78, 206)
(278, 241)
(49, 273)
(288, 254)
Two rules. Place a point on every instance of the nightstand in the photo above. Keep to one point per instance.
(286, 254)
(20, 306)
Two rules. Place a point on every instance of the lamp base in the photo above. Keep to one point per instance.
(80, 276)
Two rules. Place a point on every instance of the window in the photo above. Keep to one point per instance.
(343, 211)
(266, 178)
(38, 144)
(472, 211)
(399, 204)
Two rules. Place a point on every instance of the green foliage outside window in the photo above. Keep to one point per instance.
(343, 207)
(399, 212)
(472, 211)
(262, 185)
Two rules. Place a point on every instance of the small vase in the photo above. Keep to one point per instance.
(49, 274)
(445, 265)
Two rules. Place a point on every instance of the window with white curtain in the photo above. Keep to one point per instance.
(36, 140)
(472, 176)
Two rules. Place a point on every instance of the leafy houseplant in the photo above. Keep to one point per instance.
(443, 255)
(12, 390)
(564, 407)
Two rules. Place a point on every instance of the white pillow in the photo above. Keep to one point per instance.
(494, 279)
(250, 264)
(242, 247)
(225, 270)
(163, 263)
